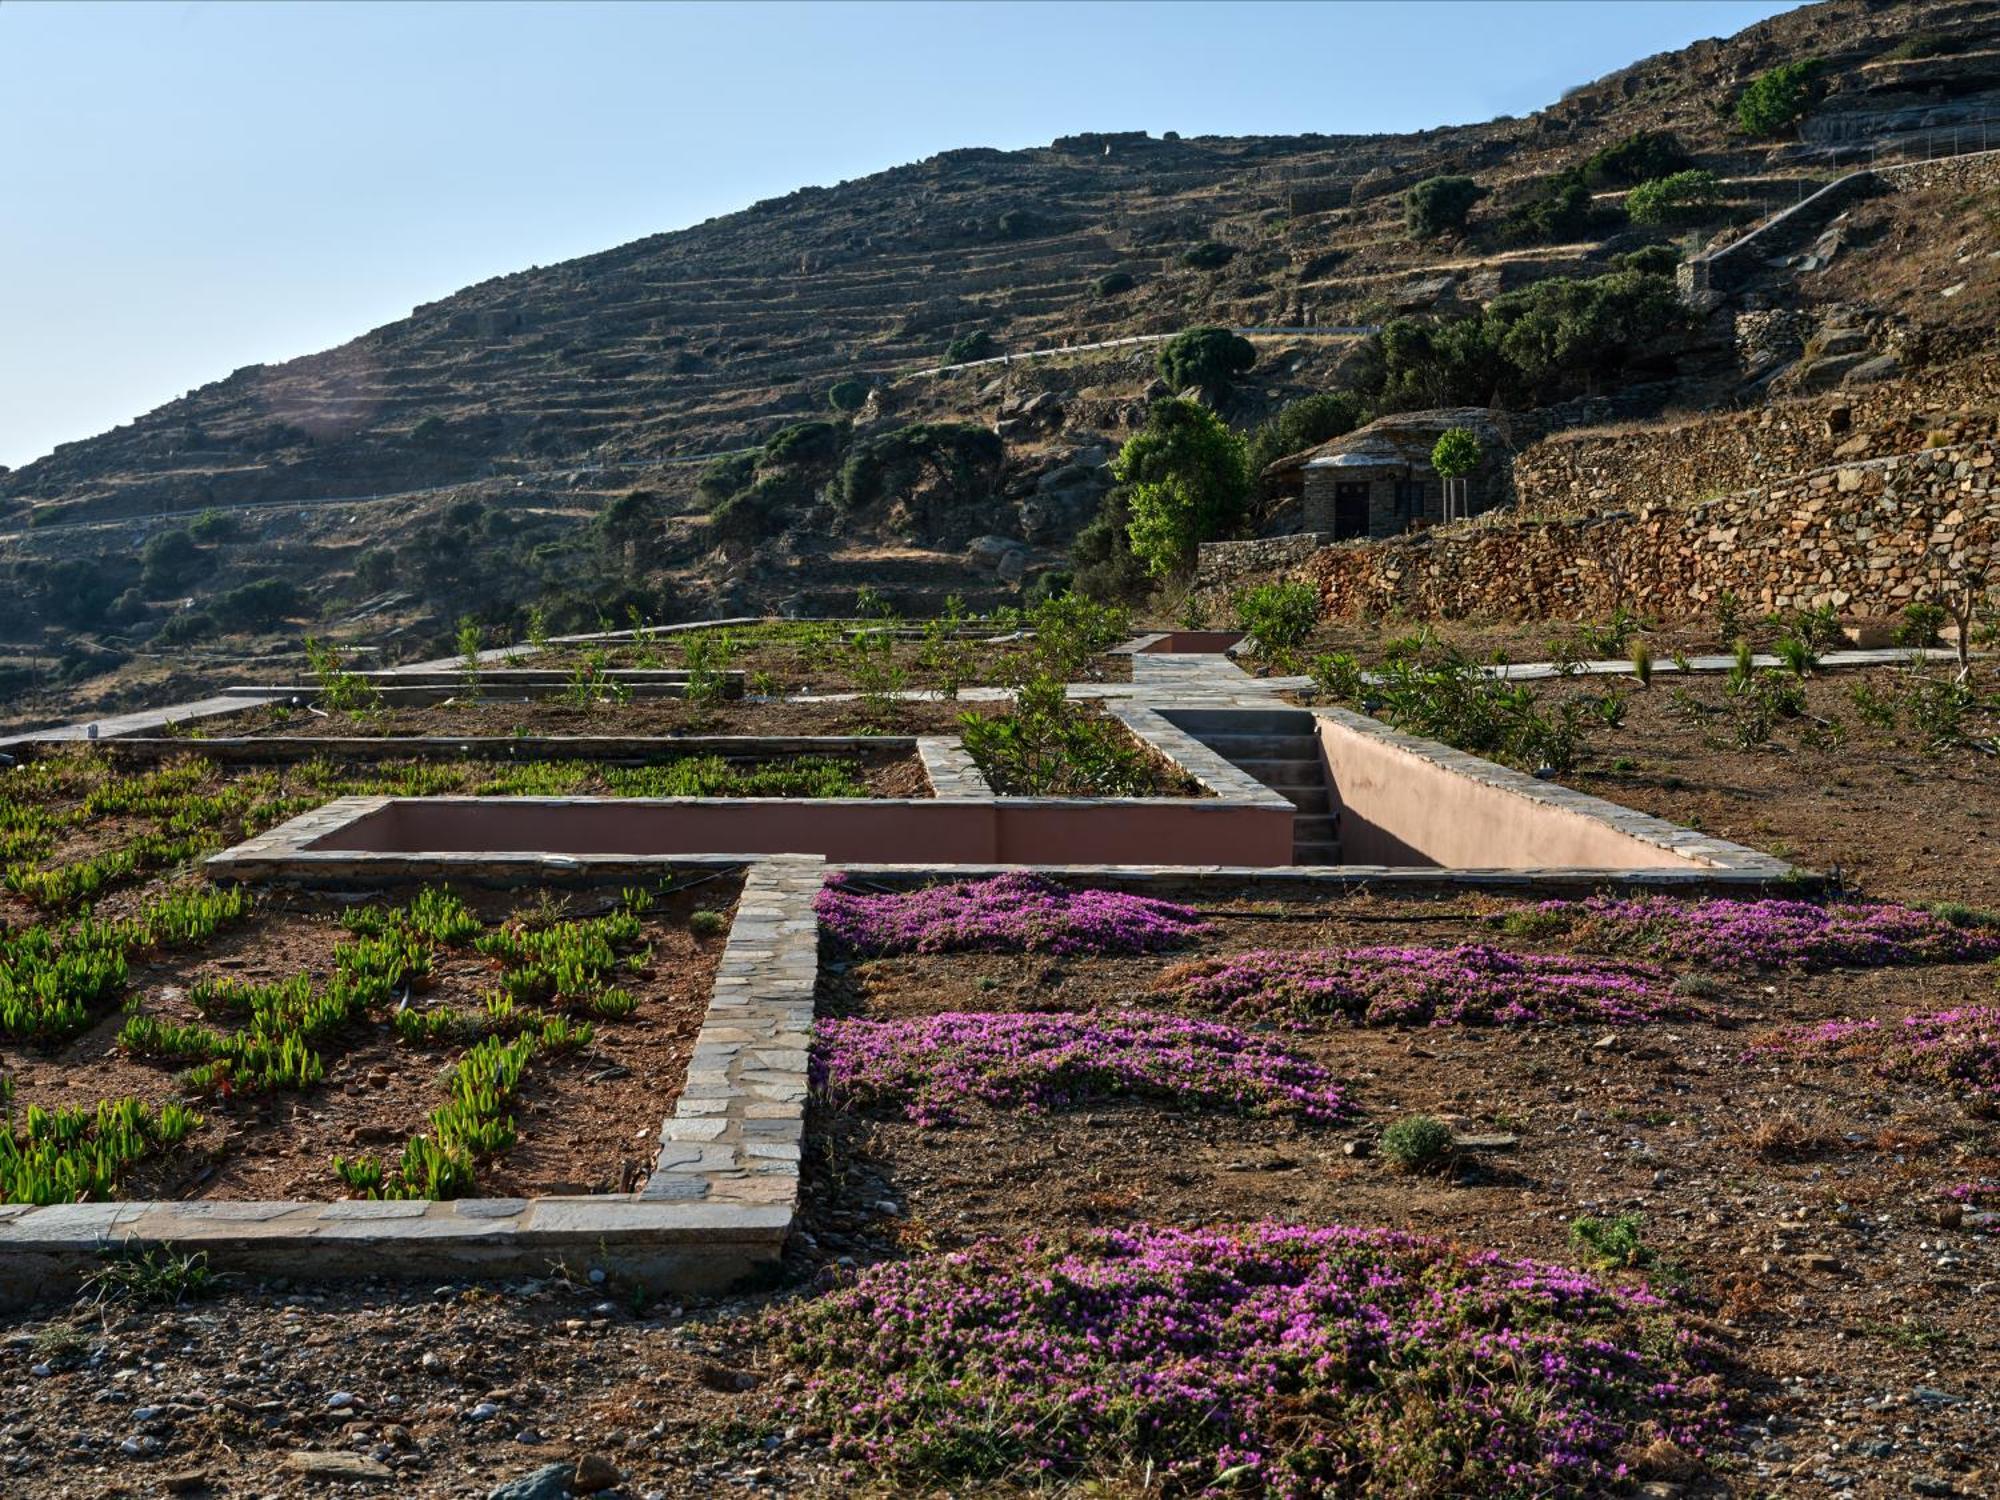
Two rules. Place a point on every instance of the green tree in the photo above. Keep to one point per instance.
(1639, 157)
(1779, 99)
(1438, 205)
(969, 346)
(1206, 357)
(1685, 198)
(848, 395)
(171, 560)
(1187, 480)
(1455, 454)
(1302, 423)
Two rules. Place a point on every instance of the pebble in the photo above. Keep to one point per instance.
(341, 1400)
(550, 1482)
(139, 1447)
(484, 1411)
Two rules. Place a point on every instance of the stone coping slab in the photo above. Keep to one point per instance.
(1318, 879)
(1217, 776)
(714, 1213)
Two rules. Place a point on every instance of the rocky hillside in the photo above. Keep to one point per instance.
(516, 416)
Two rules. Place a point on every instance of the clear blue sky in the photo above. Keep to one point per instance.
(190, 187)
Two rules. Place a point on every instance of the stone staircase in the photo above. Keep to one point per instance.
(1279, 748)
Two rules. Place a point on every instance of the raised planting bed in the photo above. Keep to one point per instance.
(571, 765)
(76, 824)
(784, 657)
(652, 720)
(423, 1043)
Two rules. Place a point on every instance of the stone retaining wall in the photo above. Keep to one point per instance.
(1866, 538)
(1578, 473)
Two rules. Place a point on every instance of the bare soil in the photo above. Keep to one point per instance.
(586, 1120)
(1896, 815)
(777, 666)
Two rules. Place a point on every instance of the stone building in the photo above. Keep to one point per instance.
(1377, 481)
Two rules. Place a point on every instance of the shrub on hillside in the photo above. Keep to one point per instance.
(1779, 99)
(1101, 562)
(1653, 260)
(1210, 255)
(1685, 198)
(1186, 481)
(1206, 357)
(1639, 157)
(725, 477)
(170, 561)
(1115, 283)
(803, 442)
(1541, 344)
(1302, 423)
(964, 458)
(1438, 205)
(214, 525)
(1564, 211)
(969, 346)
(848, 395)
(189, 625)
(255, 606)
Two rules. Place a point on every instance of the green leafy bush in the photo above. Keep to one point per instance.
(848, 395)
(1301, 424)
(1652, 260)
(169, 562)
(1417, 1143)
(1639, 157)
(1438, 205)
(1210, 358)
(1186, 481)
(1114, 284)
(1563, 211)
(1685, 198)
(969, 346)
(964, 458)
(1047, 746)
(255, 606)
(1779, 99)
(1278, 616)
(1210, 255)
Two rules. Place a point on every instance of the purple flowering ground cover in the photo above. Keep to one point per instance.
(932, 1067)
(1770, 934)
(1273, 1359)
(1011, 913)
(1959, 1048)
(1466, 985)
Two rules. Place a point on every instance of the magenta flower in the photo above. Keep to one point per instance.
(933, 1067)
(1293, 1362)
(1725, 934)
(1959, 1048)
(1012, 913)
(1469, 985)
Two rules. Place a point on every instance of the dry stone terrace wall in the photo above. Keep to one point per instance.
(1578, 473)
(1866, 538)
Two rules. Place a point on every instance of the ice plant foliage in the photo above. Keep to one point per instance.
(931, 1068)
(1006, 914)
(1468, 985)
(1724, 934)
(1273, 1359)
(1959, 1048)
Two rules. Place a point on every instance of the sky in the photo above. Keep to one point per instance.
(188, 187)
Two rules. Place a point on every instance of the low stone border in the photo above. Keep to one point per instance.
(716, 1210)
(1391, 879)
(147, 721)
(1219, 777)
(954, 774)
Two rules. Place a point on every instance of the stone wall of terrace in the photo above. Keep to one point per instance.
(1866, 538)
(1582, 473)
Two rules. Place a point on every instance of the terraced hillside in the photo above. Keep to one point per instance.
(510, 418)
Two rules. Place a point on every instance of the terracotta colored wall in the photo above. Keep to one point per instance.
(1024, 831)
(1396, 808)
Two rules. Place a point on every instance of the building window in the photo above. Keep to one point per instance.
(1409, 499)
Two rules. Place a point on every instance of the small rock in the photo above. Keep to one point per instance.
(484, 1411)
(341, 1400)
(529, 1437)
(1925, 1484)
(336, 1465)
(593, 1473)
(550, 1482)
(187, 1482)
(139, 1447)
(1820, 1261)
